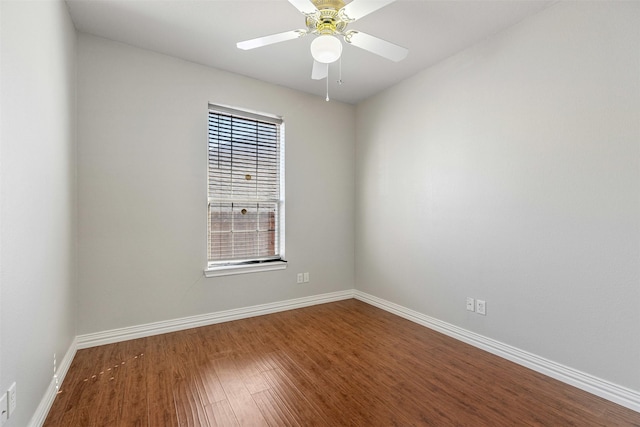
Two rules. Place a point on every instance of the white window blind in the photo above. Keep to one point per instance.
(245, 203)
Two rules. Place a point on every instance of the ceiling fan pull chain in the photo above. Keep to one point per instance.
(327, 99)
(340, 71)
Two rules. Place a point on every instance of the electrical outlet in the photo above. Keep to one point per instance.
(12, 399)
(306, 277)
(470, 304)
(481, 307)
(4, 409)
(300, 278)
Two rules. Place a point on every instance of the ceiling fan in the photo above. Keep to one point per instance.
(328, 19)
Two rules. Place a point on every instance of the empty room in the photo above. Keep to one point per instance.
(319, 212)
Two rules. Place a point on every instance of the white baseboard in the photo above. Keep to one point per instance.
(594, 385)
(149, 329)
(39, 417)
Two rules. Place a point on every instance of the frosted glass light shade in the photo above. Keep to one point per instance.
(326, 49)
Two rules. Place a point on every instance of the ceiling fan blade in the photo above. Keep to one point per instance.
(320, 70)
(304, 6)
(359, 8)
(274, 38)
(375, 45)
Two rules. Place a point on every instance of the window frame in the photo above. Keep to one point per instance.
(257, 264)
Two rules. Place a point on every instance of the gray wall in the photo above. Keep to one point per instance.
(142, 132)
(510, 173)
(38, 202)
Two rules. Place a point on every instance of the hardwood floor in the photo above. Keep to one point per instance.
(340, 364)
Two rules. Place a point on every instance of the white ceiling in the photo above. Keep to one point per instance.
(206, 32)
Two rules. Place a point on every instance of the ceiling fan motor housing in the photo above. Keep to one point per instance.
(327, 20)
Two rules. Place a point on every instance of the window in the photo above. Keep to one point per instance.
(245, 192)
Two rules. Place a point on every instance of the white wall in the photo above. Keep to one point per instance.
(142, 137)
(38, 197)
(511, 173)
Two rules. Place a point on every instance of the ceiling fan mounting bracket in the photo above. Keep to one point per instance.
(328, 4)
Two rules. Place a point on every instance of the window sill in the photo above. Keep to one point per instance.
(228, 270)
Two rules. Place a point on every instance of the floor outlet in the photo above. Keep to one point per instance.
(470, 304)
(481, 307)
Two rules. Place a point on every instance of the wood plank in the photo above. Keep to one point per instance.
(112, 383)
(135, 411)
(221, 414)
(276, 412)
(284, 403)
(208, 384)
(160, 380)
(189, 408)
(244, 407)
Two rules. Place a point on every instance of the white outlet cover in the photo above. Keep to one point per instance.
(470, 304)
(481, 307)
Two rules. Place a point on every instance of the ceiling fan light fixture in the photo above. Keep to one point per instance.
(326, 49)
